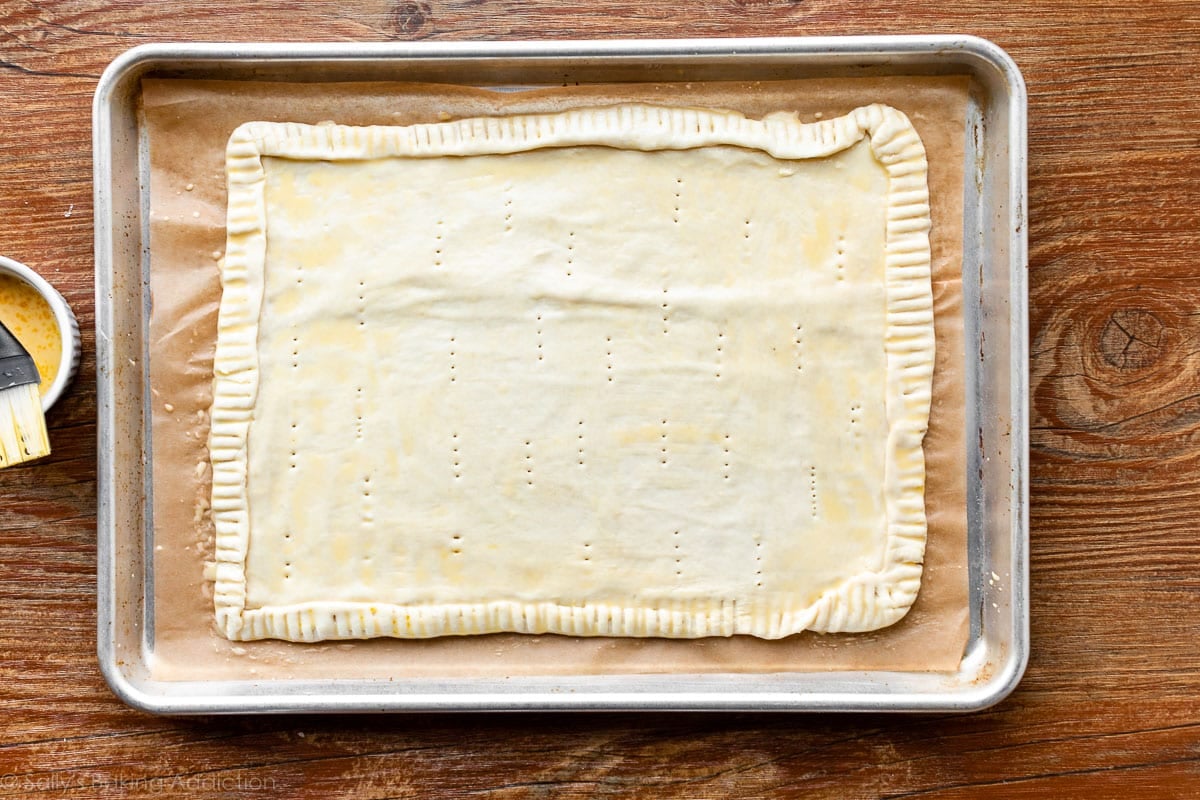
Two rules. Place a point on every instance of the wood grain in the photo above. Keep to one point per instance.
(1110, 705)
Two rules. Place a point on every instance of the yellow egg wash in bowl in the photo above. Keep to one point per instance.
(28, 316)
(43, 323)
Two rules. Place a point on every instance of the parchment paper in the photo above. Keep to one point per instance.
(188, 123)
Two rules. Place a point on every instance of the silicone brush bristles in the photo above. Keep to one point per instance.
(22, 425)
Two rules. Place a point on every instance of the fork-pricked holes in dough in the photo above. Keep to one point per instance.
(529, 463)
(798, 346)
(367, 503)
(813, 495)
(663, 451)
(720, 354)
(579, 444)
(359, 434)
(541, 353)
(758, 557)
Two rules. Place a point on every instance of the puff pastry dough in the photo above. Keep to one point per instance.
(621, 371)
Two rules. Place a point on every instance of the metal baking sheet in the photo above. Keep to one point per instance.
(994, 257)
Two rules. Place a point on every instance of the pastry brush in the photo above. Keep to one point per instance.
(22, 423)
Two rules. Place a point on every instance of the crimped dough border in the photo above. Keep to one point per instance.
(867, 601)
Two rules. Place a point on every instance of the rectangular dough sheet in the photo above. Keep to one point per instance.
(620, 371)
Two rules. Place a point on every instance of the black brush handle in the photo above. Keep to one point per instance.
(16, 365)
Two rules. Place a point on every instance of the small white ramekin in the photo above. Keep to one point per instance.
(68, 327)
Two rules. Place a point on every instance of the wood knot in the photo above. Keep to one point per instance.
(1115, 374)
(408, 18)
(1132, 339)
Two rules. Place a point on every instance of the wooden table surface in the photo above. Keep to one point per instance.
(1110, 704)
